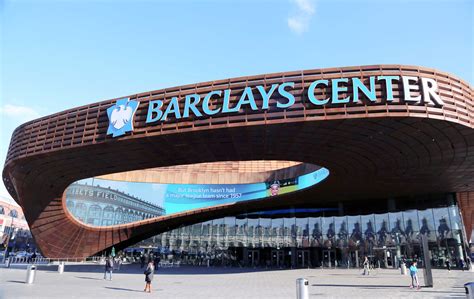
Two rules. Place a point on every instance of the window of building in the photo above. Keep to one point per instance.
(94, 215)
(13, 213)
(80, 211)
(108, 213)
(119, 216)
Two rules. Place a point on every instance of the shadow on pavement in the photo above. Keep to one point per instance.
(130, 290)
(123, 289)
(135, 269)
(91, 278)
(16, 281)
(376, 286)
(447, 292)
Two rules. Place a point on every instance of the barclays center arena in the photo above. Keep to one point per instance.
(313, 168)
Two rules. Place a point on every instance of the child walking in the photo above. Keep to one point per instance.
(414, 276)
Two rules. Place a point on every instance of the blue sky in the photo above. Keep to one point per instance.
(57, 55)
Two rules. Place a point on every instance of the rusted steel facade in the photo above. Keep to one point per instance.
(371, 149)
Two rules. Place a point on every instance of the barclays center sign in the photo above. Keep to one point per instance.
(201, 105)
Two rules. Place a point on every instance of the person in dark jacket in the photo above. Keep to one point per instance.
(157, 261)
(109, 266)
(150, 270)
(142, 261)
(448, 264)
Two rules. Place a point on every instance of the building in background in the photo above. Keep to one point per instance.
(14, 230)
(100, 206)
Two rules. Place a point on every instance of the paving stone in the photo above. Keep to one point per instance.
(86, 281)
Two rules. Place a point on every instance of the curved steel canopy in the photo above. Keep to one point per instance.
(372, 150)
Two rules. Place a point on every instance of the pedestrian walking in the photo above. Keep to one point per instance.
(150, 270)
(366, 265)
(117, 262)
(142, 261)
(461, 264)
(448, 265)
(414, 276)
(109, 266)
(468, 263)
(157, 260)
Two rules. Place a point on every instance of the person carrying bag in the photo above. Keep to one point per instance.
(150, 270)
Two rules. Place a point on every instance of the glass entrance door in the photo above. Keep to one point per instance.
(329, 256)
(254, 258)
(278, 257)
(302, 258)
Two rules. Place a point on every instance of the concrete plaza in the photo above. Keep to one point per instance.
(86, 281)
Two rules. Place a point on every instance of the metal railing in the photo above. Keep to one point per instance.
(50, 261)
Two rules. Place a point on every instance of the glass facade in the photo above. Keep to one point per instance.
(316, 241)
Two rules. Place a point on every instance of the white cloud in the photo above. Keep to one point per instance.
(307, 6)
(22, 113)
(300, 19)
(297, 25)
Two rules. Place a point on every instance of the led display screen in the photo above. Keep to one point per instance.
(106, 202)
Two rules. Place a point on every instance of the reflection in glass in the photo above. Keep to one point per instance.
(328, 231)
(195, 235)
(251, 232)
(265, 235)
(396, 223)
(230, 226)
(443, 228)
(185, 237)
(342, 233)
(290, 233)
(411, 224)
(216, 233)
(379, 219)
(241, 225)
(368, 234)
(277, 232)
(382, 233)
(368, 227)
(316, 234)
(354, 228)
(356, 233)
(302, 232)
(397, 232)
(441, 216)
(427, 224)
